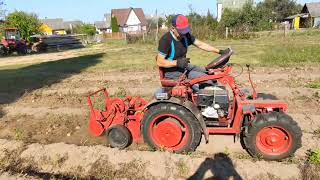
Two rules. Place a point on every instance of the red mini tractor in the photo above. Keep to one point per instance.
(178, 116)
(11, 42)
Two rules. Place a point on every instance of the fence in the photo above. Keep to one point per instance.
(114, 35)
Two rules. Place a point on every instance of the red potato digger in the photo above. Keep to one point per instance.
(178, 116)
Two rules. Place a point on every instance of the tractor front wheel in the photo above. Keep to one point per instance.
(273, 136)
(171, 127)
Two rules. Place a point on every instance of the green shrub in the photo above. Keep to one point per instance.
(85, 29)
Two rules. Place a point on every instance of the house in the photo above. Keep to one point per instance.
(58, 26)
(230, 4)
(102, 27)
(105, 25)
(130, 20)
(309, 17)
(53, 26)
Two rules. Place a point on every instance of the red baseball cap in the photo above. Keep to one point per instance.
(181, 23)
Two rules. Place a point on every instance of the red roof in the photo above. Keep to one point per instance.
(122, 15)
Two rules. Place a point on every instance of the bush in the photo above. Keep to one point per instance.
(87, 29)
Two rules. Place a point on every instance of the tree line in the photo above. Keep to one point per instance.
(249, 18)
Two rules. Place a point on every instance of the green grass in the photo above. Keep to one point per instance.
(288, 53)
(16, 81)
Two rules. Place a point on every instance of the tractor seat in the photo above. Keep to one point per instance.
(166, 82)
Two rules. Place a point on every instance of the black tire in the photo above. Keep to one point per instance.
(22, 50)
(192, 125)
(3, 51)
(119, 136)
(281, 122)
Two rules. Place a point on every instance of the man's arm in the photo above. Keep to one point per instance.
(206, 47)
(162, 62)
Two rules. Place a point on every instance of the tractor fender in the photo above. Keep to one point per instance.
(188, 105)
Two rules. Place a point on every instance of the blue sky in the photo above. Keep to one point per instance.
(93, 10)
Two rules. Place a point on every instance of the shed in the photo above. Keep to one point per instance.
(313, 9)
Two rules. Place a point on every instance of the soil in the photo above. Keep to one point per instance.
(46, 130)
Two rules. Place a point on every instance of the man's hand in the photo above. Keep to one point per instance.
(225, 51)
(183, 63)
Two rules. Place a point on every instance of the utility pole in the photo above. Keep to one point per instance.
(157, 25)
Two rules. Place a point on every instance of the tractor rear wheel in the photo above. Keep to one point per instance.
(272, 136)
(171, 127)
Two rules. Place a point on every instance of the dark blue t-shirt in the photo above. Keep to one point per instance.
(173, 49)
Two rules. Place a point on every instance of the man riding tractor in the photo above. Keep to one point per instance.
(173, 48)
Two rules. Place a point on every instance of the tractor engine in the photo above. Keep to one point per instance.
(213, 103)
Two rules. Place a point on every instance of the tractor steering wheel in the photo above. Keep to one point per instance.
(220, 61)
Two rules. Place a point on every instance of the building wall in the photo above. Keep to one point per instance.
(219, 12)
(232, 4)
(133, 24)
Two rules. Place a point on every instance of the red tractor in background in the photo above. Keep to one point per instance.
(12, 42)
(178, 116)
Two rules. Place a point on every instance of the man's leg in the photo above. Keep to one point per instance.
(197, 72)
(173, 75)
(192, 67)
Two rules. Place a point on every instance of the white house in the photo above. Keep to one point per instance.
(130, 20)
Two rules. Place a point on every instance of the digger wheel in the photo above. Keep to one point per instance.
(119, 136)
(273, 136)
(171, 127)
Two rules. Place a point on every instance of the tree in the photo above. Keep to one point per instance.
(87, 29)
(114, 24)
(27, 23)
(277, 10)
(211, 22)
(152, 22)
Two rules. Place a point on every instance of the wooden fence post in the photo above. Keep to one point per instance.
(227, 32)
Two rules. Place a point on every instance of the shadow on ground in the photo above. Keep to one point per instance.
(221, 167)
(15, 82)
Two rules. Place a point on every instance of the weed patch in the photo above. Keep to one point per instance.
(314, 84)
(313, 156)
(102, 169)
(182, 168)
